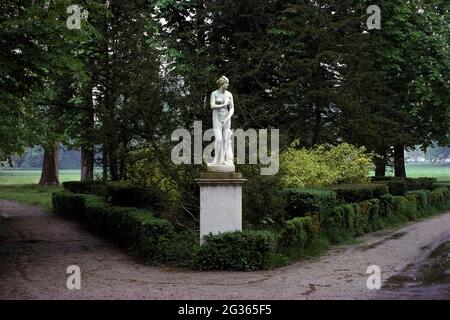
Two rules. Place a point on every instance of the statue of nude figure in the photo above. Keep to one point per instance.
(222, 105)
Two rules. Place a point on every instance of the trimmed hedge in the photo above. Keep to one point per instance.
(303, 201)
(440, 197)
(125, 195)
(348, 193)
(139, 229)
(359, 218)
(246, 250)
(398, 186)
(97, 188)
(69, 205)
(298, 232)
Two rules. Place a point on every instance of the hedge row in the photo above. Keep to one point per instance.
(299, 232)
(97, 188)
(365, 216)
(120, 194)
(398, 186)
(348, 193)
(156, 240)
(138, 229)
(247, 250)
(300, 201)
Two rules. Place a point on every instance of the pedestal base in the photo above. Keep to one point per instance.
(221, 167)
(220, 202)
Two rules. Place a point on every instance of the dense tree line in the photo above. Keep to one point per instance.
(137, 70)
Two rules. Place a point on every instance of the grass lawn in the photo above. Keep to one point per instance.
(21, 186)
(31, 194)
(19, 176)
(439, 171)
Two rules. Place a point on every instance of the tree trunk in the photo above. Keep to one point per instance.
(113, 168)
(49, 175)
(105, 163)
(87, 164)
(380, 167)
(399, 160)
(87, 129)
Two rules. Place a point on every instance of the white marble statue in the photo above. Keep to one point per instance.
(222, 105)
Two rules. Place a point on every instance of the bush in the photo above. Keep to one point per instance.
(298, 232)
(301, 201)
(68, 205)
(247, 250)
(397, 187)
(400, 185)
(386, 205)
(421, 197)
(324, 165)
(262, 204)
(344, 216)
(439, 197)
(405, 207)
(92, 187)
(139, 229)
(420, 183)
(350, 193)
(124, 194)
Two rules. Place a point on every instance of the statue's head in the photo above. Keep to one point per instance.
(223, 82)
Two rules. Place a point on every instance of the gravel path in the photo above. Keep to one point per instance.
(36, 249)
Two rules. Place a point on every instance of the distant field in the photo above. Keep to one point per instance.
(439, 171)
(9, 177)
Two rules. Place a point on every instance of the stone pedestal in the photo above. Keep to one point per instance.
(220, 202)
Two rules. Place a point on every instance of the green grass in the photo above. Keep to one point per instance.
(19, 176)
(33, 194)
(439, 171)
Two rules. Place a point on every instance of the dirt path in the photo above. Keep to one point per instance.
(36, 249)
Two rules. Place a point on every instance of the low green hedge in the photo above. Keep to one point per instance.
(359, 218)
(421, 197)
(398, 186)
(97, 188)
(139, 229)
(440, 197)
(246, 250)
(298, 232)
(303, 201)
(349, 193)
(125, 195)
(69, 205)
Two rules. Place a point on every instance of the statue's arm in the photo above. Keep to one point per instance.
(231, 110)
(215, 106)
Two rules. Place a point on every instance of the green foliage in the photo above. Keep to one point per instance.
(405, 207)
(181, 250)
(347, 193)
(387, 205)
(68, 205)
(440, 197)
(125, 195)
(298, 232)
(325, 165)
(247, 250)
(302, 201)
(138, 229)
(92, 187)
(421, 197)
(399, 185)
(262, 203)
